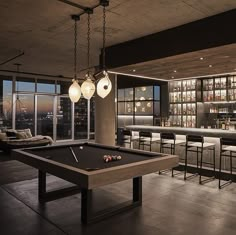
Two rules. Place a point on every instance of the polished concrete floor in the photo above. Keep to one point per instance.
(170, 206)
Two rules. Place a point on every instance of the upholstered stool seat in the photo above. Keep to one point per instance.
(128, 137)
(146, 138)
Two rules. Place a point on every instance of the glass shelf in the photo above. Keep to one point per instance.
(182, 97)
(138, 105)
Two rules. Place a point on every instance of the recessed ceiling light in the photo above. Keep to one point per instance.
(172, 77)
(201, 58)
(210, 65)
(134, 70)
(175, 71)
(234, 69)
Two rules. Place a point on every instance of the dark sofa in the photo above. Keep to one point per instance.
(13, 139)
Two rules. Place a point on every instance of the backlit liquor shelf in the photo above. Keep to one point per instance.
(195, 103)
(208, 103)
(182, 98)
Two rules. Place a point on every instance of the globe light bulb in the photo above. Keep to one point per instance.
(74, 91)
(104, 86)
(88, 88)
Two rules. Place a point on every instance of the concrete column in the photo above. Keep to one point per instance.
(105, 116)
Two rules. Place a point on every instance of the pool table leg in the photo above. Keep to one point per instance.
(137, 190)
(86, 203)
(86, 200)
(45, 196)
(41, 185)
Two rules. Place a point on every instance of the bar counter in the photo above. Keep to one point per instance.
(215, 133)
(210, 136)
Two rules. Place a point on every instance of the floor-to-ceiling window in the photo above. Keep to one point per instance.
(45, 114)
(63, 118)
(24, 104)
(24, 111)
(81, 119)
(43, 105)
(5, 102)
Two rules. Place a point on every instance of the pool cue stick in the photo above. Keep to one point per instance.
(73, 153)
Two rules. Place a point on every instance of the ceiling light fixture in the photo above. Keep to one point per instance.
(210, 65)
(175, 71)
(201, 58)
(74, 90)
(104, 85)
(88, 87)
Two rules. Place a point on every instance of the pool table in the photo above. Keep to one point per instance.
(83, 165)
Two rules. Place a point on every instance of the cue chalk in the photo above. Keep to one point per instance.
(76, 159)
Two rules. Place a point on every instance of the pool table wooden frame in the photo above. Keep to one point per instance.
(88, 180)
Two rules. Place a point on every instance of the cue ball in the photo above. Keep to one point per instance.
(81, 147)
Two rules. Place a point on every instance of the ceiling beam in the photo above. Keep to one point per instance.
(210, 32)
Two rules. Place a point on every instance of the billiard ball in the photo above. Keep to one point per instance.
(118, 158)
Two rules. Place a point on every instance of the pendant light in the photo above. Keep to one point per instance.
(74, 90)
(104, 85)
(88, 87)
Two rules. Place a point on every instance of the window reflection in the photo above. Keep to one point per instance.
(25, 84)
(25, 112)
(5, 102)
(46, 86)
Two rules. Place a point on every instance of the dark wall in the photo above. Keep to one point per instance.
(164, 100)
(206, 33)
(128, 81)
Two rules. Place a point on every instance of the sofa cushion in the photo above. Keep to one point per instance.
(3, 136)
(11, 133)
(21, 135)
(26, 132)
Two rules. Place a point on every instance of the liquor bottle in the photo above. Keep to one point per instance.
(176, 98)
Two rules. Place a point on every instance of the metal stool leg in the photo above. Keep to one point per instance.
(200, 171)
(186, 162)
(220, 169)
(214, 160)
(231, 166)
(197, 159)
(172, 170)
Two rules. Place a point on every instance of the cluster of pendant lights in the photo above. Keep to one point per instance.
(87, 88)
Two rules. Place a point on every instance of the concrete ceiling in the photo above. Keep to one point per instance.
(214, 61)
(44, 31)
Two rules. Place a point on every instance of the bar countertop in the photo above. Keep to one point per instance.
(217, 133)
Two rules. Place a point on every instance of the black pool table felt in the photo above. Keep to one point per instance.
(91, 157)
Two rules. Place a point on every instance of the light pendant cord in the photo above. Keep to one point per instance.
(104, 36)
(88, 49)
(75, 50)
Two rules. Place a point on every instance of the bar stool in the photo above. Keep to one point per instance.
(227, 149)
(196, 144)
(169, 141)
(146, 139)
(128, 137)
